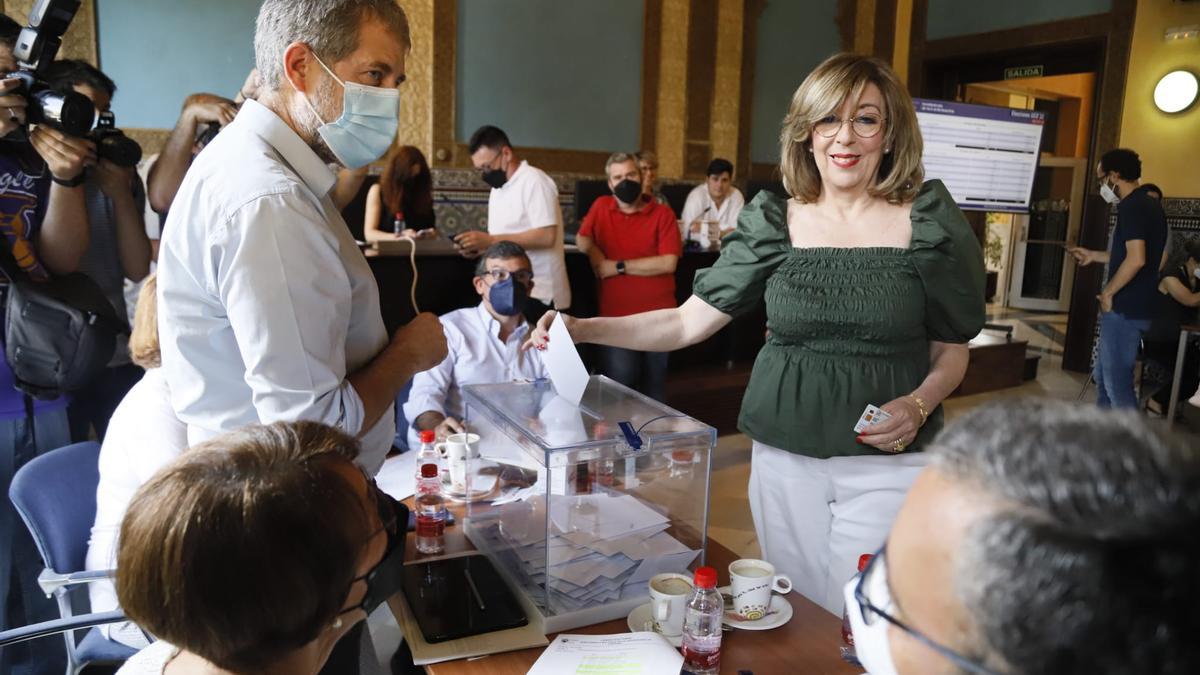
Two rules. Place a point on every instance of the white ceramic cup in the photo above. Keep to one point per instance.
(668, 600)
(751, 583)
(457, 450)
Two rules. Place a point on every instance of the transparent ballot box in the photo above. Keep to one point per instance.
(578, 506)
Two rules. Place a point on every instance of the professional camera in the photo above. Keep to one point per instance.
(112, 144)
(37, 45)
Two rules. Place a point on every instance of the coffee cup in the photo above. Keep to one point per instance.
(458, 450)
(668, 600)
(751, 582)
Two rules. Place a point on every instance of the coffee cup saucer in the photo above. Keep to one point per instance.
(641, 620)
(779, 613)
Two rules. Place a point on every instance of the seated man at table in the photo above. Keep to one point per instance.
(633, 245)
(483, 343)
(716, 201)
(1044, 537)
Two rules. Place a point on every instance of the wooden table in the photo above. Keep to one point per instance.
(808, 644)
(1185, 332)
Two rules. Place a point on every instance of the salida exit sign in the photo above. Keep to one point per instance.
(1023, 71)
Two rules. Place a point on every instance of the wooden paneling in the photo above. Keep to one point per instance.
(651, 51)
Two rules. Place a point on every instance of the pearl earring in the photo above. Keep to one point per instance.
(337, 624)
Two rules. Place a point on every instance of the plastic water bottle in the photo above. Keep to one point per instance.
(427, 454)
(848, 652)
(398, 223)
(702, 625)
(431, 513)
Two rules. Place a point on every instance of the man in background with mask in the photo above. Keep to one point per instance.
(1044, 537)
(633, 244)
(1134, 259)
(267, 308)
(522, 208)
(484, 344)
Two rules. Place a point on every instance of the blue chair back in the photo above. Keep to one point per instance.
(56, 497)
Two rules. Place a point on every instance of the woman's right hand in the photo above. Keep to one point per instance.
(539, 337)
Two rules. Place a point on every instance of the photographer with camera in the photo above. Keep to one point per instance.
(43, 220)
(199, 111)
(119, 247)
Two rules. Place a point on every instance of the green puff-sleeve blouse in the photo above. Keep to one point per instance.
(848, 326)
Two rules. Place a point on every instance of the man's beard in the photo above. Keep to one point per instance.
(325, 101)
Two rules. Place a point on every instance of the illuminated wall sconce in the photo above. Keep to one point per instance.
(1176, 91)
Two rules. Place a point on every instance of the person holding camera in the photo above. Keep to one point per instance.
(119, 249)
(43, 220)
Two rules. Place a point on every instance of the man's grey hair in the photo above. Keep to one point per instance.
(329, 27)
(1090, 562)
(620, 158)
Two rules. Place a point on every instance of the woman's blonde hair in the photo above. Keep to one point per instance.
(143, 339)
(822, 93)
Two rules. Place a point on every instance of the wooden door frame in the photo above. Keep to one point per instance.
(1112, 34)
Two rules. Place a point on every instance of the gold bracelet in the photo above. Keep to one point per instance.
(920, 407)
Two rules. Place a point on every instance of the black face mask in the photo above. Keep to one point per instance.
(628, 191)
(386, 578)
(495, 177)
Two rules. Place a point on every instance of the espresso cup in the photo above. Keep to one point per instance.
(668, 600)
(751, 582)
(457, 450)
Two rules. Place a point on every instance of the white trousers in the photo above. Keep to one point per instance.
(815, 517)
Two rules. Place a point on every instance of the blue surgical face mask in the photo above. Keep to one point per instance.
(367, 127)
(508, 297)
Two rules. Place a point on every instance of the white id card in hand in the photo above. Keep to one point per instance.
(871, 415)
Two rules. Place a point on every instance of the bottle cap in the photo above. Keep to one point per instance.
(429, 471)
(428, 436)
(706, 577)
(863, 560)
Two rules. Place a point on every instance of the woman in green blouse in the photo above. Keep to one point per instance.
(873, 283)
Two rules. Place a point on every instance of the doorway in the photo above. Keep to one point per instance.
(1035, 272)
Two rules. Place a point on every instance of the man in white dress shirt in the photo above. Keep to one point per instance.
(716, 202)
(522, 208)
(267, 309)
(484, 343)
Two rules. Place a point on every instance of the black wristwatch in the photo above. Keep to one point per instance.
(74, 182)
(620, 267)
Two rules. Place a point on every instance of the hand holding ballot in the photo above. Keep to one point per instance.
(539, 337)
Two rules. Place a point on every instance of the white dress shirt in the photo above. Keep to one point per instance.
(265, 303)
(695, 207)
(143, 436)
(529, 200)
(476, 356)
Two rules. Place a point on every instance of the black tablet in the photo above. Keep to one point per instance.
(459, 597)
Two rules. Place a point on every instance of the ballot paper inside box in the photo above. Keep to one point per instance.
(575, 515)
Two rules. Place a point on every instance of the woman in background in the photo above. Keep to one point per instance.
(404, 193)
(1177, 300)
(143, 436)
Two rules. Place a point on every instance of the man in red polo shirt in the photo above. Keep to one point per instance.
(633, 244)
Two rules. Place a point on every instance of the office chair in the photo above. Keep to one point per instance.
(56, 497)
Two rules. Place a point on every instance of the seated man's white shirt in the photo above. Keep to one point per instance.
(265, 303)
(143, 436)
(726, 216)
(529, 200)
(476, 356)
